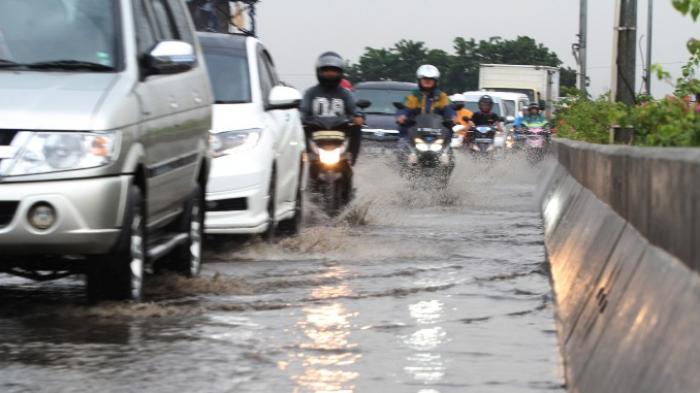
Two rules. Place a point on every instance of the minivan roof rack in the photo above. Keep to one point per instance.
(224, 16)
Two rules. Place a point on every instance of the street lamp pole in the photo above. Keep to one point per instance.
(583, 47)
(650, 40)
(626, 52)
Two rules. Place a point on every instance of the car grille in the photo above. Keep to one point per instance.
(7, 212)
(225, 205)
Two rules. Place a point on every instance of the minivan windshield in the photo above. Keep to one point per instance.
(510, 107)
(382, 100)
(59, 34)
(229, 76)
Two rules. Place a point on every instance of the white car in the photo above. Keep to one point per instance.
(514, 104)
(257, 141)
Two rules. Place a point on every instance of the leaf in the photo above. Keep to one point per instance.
(681, 5)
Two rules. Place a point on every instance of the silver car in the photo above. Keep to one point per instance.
(105, 108)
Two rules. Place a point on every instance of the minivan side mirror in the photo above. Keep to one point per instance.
(363, 104)
(170, 57)
(283, 97)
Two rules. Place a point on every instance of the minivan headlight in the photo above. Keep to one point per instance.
(45, 152)
(224, 143)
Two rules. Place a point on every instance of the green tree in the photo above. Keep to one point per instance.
(461, 67)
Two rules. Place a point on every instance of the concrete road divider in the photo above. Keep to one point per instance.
(621, 233)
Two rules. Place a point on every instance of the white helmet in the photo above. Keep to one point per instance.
(458, 98)
(428, 71)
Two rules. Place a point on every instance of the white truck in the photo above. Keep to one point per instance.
(539, 83)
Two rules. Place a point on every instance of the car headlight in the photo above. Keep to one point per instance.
(45, 152)
(224, 143)
(329, 157)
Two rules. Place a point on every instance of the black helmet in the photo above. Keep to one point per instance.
(533, 105)
(486, 100)
(330, 60)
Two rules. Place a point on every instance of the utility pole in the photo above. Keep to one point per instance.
(583, 47)
(650, 41)
(626, 52)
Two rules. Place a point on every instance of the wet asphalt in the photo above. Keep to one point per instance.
(410, 290)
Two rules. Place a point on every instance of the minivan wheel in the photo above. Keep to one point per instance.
(292, 226)
(119, 276)
(188, 257)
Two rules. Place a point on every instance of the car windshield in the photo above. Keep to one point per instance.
(228, 72)
(68, 34)
(510, 107)
(382, 100)
(474, 107)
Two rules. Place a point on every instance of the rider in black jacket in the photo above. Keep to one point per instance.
(329, 99)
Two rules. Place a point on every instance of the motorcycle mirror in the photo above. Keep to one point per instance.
(363, 104)
(399, 105)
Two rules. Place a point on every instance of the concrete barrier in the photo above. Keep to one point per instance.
(621, 233)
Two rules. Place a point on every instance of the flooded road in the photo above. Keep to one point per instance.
(410, 291)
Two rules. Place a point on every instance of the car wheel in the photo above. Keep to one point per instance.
(188, 256)
(119, 276)
(292, 226)
(269, 234)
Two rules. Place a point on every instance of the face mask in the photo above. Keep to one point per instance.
(331, 82)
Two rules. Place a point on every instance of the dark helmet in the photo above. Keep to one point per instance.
(330, 60)
(486, 100)
(533, 105)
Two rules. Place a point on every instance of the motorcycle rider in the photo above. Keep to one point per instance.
(426, 99)
(329, 99)
(485, 115)
(534, 117)
(458, 104)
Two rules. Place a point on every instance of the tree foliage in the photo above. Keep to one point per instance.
(460, 68)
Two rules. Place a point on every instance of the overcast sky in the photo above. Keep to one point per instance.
(296, 32)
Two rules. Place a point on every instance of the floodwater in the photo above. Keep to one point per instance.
(410, 291)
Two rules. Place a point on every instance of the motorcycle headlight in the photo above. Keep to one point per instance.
(437, 145)
(422, 147)
(45, 152)
(329, 157)
(224, 143)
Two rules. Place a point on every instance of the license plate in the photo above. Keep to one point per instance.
(483, 140)
(535, 142)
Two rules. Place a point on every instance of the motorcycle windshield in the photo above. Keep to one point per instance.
(428, 125)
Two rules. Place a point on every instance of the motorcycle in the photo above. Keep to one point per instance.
(330, 163)
(536, 143)
(428, 152)
(483, 141)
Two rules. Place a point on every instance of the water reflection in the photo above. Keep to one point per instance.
(327, 352)
(426, 365)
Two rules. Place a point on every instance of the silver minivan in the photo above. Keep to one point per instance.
(105, 108)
